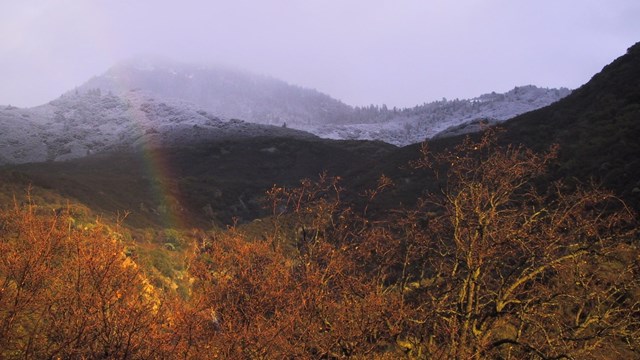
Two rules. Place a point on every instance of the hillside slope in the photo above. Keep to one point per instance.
(203, 184)
(77, 125)
(223, 91)
(407, 126)
(597, 127)
(259, 99)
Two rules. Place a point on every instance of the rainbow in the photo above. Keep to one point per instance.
(166, 193)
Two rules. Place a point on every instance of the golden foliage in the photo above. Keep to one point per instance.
(70, 293)
(498, 264)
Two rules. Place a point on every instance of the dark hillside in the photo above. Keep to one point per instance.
(211, 182)
(597, 127)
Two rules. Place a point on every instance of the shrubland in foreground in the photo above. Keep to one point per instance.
(498, 263)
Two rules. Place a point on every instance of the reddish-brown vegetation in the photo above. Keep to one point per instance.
(70, 292)
(498, 264)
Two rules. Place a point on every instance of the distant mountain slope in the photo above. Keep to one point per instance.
(223, 91)
(260, 99)
(77, 125)
(163, 103)
(439, 118)
(597, 127)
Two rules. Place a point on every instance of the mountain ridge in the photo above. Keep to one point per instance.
(221, 90)
(597, 127)
(141, 103)
(83, 123)
(234, 93)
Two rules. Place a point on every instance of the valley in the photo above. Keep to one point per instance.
(340, 234)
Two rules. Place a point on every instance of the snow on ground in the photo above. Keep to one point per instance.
(90, 121)
(413, 125)
(77, 125)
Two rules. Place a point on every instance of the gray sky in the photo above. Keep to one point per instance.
(396, 52)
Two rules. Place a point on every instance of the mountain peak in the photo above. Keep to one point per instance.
(222, 90)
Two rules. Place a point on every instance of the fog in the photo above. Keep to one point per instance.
(399, 53)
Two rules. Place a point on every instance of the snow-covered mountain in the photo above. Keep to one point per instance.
(236, 94)
(439, 118)
(150, 103)
(86, 122)
(223, 91)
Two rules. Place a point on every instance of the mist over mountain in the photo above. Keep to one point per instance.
(372, 231)
(407, 126)
(82, 123)
(232, 93)
(223, 91)
(155, 101)
(156, 209)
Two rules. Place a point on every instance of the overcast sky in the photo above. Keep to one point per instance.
(394, 52)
